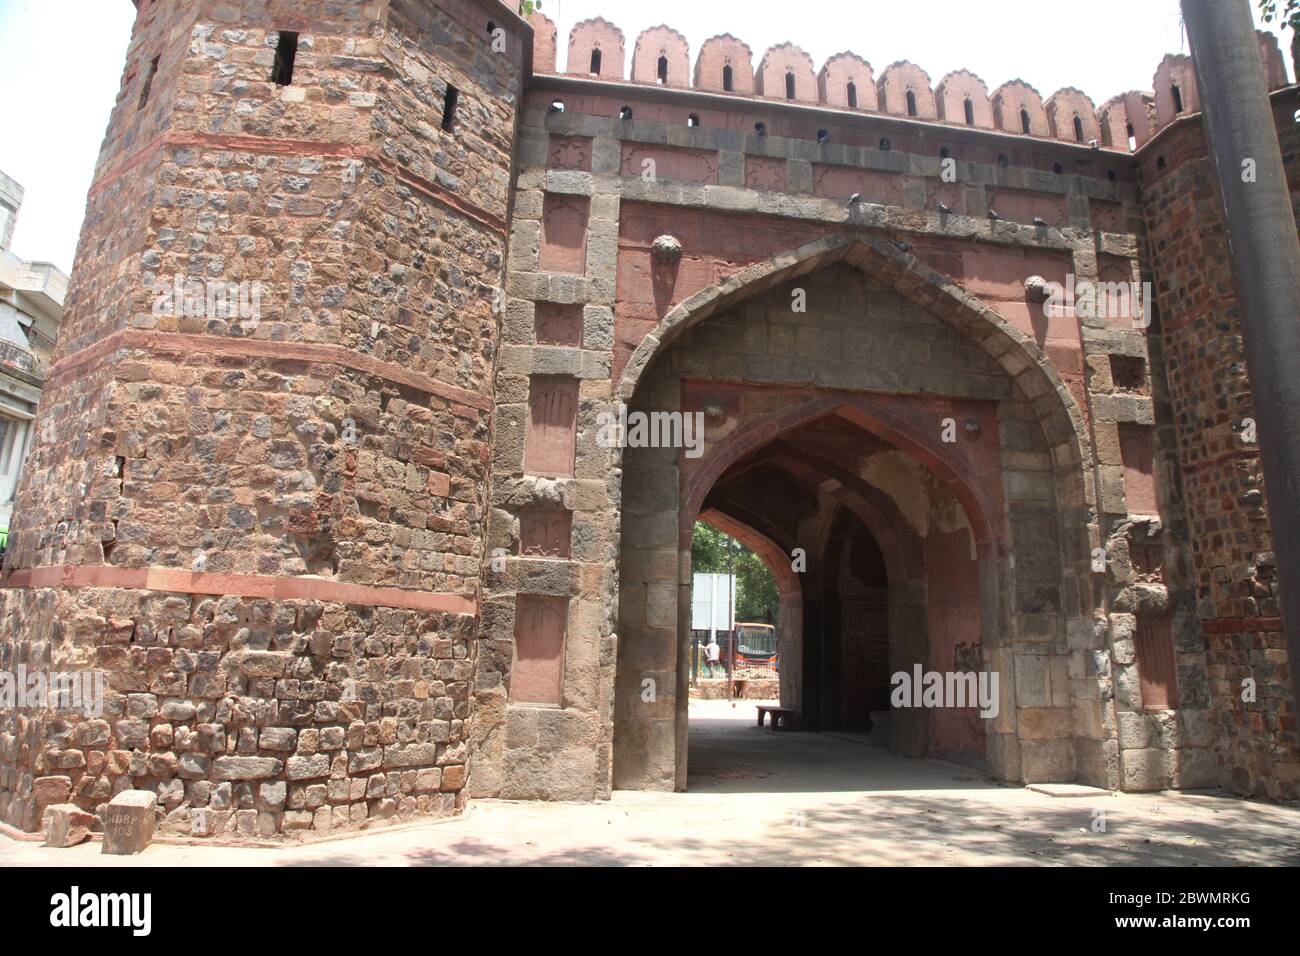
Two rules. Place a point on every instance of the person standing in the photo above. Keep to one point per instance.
(712, 653)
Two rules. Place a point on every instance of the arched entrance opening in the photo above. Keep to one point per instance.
(906, 441)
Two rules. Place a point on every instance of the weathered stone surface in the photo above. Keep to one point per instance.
(66, 824)
(245, 768)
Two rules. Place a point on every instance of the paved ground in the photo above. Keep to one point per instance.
(807, 799)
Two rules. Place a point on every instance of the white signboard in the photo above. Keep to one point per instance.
(713, 602)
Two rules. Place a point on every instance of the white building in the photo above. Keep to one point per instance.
(31, 307)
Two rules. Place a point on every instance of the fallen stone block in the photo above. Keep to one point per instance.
(129, 822)
(66, 824)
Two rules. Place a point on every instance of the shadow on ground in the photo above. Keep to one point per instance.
(759, 797)
(899, 829)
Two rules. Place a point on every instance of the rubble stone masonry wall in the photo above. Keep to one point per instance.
(1236, 617)
(267, 531)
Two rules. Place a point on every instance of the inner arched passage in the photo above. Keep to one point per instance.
(874, 535)
(775, 554)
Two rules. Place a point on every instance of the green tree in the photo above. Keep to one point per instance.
(709, 550)
(713, 552)
(1290, 13)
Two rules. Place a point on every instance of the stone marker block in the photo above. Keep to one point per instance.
(66, 824)
(129, 822)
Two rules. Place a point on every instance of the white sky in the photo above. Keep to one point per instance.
(55, 99)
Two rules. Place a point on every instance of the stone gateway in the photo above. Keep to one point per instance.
(362, 554)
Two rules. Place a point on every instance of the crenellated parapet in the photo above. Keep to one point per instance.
(544, 42)
(596, 49)
(1072, 117)
(1018, 108)
(1127, 120)
(786, 73)
(725, 64)
(1274, 64)
(962, 97)
(846, 80)
(1175, 88)
(661, 56)
(904, 90)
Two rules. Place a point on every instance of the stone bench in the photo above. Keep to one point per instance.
(780, 715)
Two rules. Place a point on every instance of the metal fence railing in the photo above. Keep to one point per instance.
(745, 654)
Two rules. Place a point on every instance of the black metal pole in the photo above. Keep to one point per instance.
(1265, 264)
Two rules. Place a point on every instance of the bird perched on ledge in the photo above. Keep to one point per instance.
(993, 214)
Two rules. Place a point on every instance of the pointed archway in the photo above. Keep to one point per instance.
(1045, 515)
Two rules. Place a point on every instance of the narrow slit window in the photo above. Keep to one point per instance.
(1078, 130)
(789, 86)
(970, 113)
(286, 52)
(1024, 121)
(911, 103)
(728, 81)
(662, 69)
(693, 120)
(148, 82)
(852, 95)
(1178, 98)
(449, 108)
(595, 63)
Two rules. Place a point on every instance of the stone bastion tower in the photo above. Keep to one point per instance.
(264, 522)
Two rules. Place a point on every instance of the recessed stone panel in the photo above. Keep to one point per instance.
(557, 324)
(545, 533)
(1137, 448)
(564, 233)
(552, 424)
(538, 673)
(569, 152)
(1155, 658)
